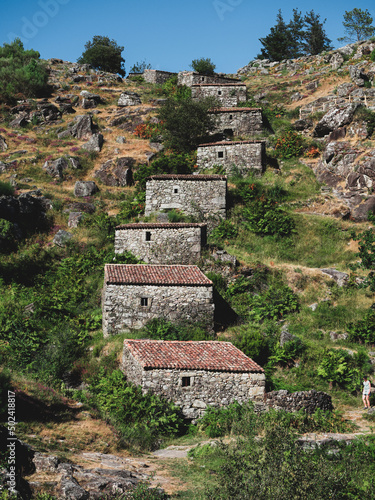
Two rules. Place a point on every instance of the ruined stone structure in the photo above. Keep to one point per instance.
(193, 374)
(174, 243)
(133, 294)
(241, 156)
(190, 78)
(227, 94)
(203, 196)
(238, 121)
(310, 401)
(157, 76)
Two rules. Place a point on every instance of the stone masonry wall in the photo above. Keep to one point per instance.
(201, 198)
(228, 94)
(206, 387)
(240, 121)
(157, 76)
(301, 400)
(162, 245)
(123, 309)
(239, 156)
(190, 78)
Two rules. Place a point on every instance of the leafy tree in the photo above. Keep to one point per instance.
(22, 74)
(203, 66)
(139, 67)
(186, 122)
(302, 35)
(315, 38)
(358, 25)
(103, 54)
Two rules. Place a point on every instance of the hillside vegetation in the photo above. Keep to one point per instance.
(301, 216)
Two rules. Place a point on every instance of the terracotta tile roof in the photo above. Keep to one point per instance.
(230, 143)
(236, 84)
(183, 177)
(203, 355)
(160, 225)
(142, 274)
(233, 110)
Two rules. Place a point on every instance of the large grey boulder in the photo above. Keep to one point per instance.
(94, 144)
(335, 118)
(61, 238)
(81, 128)
(116, 172)
(361, 212)
(129, 99)
(85, 188)
(340, 277)
(336, 61)
(357, 75)
(3, 144)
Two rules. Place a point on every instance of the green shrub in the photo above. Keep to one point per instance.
(253, 343)
(288, 353)
(366, 115)
(289, 145)
(141, 419)
(204, 66)
(162, 329)
(372, 56)
(6, 189)
(225, 230)
(363, 330)
(217, 422)
(265, 217)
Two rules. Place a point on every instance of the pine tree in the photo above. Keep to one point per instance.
(279, 44)
(358, 25)
(315, 38)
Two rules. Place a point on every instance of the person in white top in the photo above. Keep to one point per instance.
(366, 393)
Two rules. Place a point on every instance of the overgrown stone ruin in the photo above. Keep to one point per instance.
(238, 121)
(309, 401)
(190, 78)
(234, 156)
(157, 76)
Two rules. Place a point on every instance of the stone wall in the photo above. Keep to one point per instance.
(203, 196)
(190, 78)
(162, 243)
(157, 76)
(241, 156)
(228, 94)
(301, 400)
(238, 121)
(127, 307)
(206, 387)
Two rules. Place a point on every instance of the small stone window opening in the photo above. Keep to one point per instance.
(230, 117)
(175, 190)
(148, 236)
(185, 382)
(219, 92)
(144, 301)
(220, 154)
(202, 78)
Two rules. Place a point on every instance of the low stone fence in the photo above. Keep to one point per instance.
(301, 400)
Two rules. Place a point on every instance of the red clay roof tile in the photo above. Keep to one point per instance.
(190, 177)
(142, 274)
(229, 143)
(203, 355)
(160, 225)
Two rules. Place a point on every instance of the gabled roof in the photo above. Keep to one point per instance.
(142, 274)
(203, 355)
(231, 143)
(161, 225)
(187, 177)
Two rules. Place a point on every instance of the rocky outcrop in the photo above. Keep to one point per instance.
(116, 172)
(129, 99)
(56, 168)
(94, 144)
(334, 119)
(3, 144)
(338, 276)
(62, 237)
(25, 210)
(81, 128)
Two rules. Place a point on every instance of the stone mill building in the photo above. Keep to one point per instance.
(190, 78)
(203, 196)
(242, 156)
(238, 121)
(227, 94)
(193, 374)
(133, 294)
(162, 243)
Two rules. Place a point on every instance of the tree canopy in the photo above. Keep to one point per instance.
(303, 35)
(203, 66)
(186, 122)
(22, 74)
(103, 54)
(358, 25)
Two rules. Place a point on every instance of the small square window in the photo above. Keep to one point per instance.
(175, 190)
(220, 154)
(148, 236)
(230, 117)
(202, 78)
(144, 301)
(185, 382)
(219, 92)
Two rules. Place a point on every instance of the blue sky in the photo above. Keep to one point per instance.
(167, 34)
